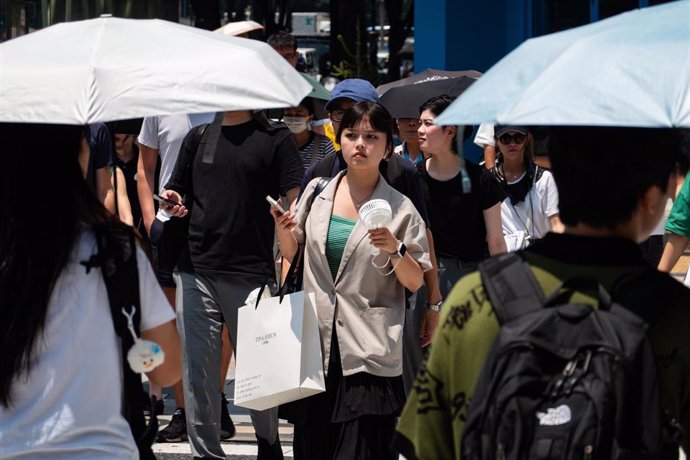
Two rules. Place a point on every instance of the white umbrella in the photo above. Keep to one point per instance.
(109, 69)
(630, 70)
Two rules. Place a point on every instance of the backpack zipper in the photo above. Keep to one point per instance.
(588, 452)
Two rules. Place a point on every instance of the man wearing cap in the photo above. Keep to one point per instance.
(404, 177)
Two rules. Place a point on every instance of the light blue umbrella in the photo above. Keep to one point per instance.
(629, 70)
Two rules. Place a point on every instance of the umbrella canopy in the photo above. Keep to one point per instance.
(111, 69)
(629, 70)
(428, 75)
(233, 29)
(404, 101)
(318, 90)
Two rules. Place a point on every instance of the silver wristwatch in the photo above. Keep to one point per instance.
(435, 306)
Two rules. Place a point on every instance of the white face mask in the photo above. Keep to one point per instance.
(296, 124)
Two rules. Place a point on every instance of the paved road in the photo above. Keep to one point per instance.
(242, 446)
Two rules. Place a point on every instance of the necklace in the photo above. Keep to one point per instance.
(358, 203)
(512, 177)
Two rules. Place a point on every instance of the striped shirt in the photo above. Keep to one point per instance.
(338, 232)
(308, 154)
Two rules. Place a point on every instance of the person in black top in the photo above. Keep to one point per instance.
(467, 226)
(224, 176)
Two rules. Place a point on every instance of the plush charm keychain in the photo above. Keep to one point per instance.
(145, 355)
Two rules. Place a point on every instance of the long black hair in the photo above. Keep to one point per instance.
(43, 202)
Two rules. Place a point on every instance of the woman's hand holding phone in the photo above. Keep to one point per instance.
(284, 220)
(168, 198)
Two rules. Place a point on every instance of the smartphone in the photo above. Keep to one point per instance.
(160, 199)
(275, 204)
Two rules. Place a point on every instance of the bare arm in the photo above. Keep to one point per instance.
(104, 189)
(165, 335)
(675, 245)
(286, 239)
(556, 224)
(489, 156)
(146, 167)
(124, 207)
(407, 270)
(292, 195)
(433, 296)
(494, 230)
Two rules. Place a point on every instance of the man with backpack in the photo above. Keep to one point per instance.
(554, 352)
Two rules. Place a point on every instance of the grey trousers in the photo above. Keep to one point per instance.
(449, 272)
(203, 302)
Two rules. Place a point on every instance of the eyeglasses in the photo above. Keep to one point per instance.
(518, 138)
(337, 114)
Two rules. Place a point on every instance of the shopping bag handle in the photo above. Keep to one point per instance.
(293, 278)
(293, 281)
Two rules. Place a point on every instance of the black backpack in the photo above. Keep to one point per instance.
(563, 380)
(118, 262)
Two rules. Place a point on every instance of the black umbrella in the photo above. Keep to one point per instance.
(404, 101)
(428, 75)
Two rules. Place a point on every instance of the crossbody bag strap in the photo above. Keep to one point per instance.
(209, 139)
(118, 261)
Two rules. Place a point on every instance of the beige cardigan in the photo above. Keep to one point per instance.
(367, 306)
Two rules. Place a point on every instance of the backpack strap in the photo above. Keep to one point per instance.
(118, 261)
(324, 167)
(320, 185)
(208, 140)
(511, 286)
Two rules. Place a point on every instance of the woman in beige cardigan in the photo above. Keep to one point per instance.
(360, 298)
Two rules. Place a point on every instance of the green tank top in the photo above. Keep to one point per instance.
(339, 231)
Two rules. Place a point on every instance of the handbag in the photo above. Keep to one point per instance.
(279, 350)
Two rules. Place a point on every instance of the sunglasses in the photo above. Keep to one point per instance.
(518, 138)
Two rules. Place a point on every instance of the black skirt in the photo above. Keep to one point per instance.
(353, 419)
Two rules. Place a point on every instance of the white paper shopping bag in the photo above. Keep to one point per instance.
(278, 356)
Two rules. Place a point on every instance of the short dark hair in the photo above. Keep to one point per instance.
(379, 118)
(602, 173)
(308, 103)
(282, 39)
(437, 105)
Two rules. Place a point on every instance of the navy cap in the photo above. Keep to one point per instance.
(353, 88)
(500, 130)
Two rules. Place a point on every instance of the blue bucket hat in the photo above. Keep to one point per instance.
(353, 88)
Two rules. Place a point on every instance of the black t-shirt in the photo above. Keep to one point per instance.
(457, 218)
(101, 147)
(398, 172)
(231, 230)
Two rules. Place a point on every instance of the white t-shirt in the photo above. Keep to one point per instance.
(485, 135)
(166, 134)
(532, 214)
(68, 407)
